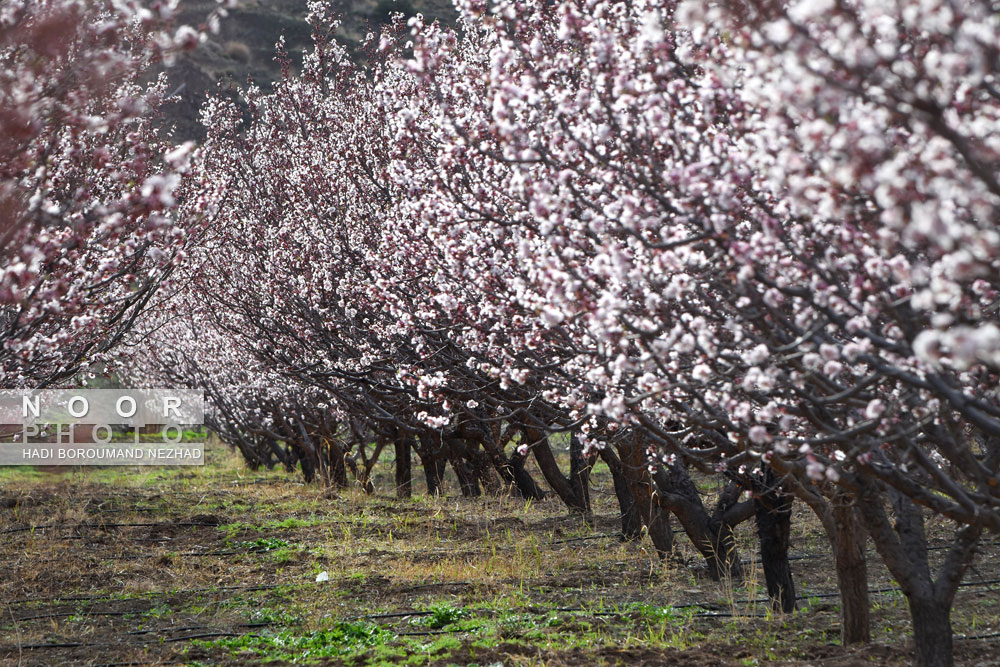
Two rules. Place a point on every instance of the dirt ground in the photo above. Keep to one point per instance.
(219, 565)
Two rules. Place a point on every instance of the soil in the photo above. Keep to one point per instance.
(218, 565)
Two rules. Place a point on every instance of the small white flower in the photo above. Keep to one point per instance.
(774, 298)
(832, 368)
(875, 409)
(812, 361)
(180, 157)
(552, 317)
(758, 355)
(701, 372)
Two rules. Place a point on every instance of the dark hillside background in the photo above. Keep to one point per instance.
(244, 47)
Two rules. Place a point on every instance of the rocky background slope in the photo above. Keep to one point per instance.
(244, 49)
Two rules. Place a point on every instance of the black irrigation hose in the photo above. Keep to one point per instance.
(184, 591)
(811, 556)
(395, 614)
(26, 529)
(207, 634)
(702, 605)
(73, 613)
(29, 647)
(433, 584)
(403, 614)
(67, 614)
(188, 628)
(182, 553)
(183, 628)
(180, 591)
(602, 536)
(888, 589)
(32, 647)
(113, 510)
(167, 524)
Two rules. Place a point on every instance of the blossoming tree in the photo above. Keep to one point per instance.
(750, 240)
(86, 181)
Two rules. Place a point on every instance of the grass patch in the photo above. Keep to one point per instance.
(443, 615)
(342, 639)
(262, 544)
(19, 474)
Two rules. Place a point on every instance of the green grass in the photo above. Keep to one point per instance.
(19, 474)
(289, 523)
(261, 544)
(443, 615)
(342, 639)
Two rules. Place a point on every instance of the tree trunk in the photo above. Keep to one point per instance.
(852, 574)
(902, 543)
(368, 462)
(773, 514)
(466, 475)
(842, 524)
(277, 451)
(712, 536)
(433, 471)
(635, 470)
(539, 445)
(352, 465)
(498, 460)
(523, 481)
(308, 466)
(335, 472)
(631, 519)
(931, 631)
(431, 476)
(579, 472)
(513, 476)
(361, 464)
(482, 467)
(404, 474)
(332, 455)
(434, 462)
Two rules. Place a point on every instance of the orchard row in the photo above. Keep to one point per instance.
(754, 241)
